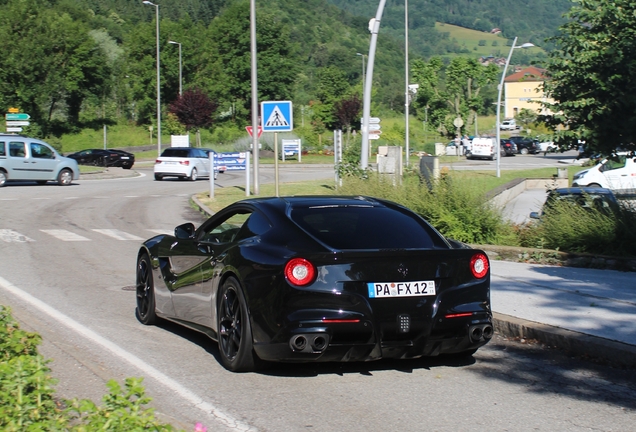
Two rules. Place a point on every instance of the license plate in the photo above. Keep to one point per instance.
(401, 289)
(125, 157)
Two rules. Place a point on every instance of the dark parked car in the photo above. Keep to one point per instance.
(508, 148)
(316, 279)
(590, 198)
(105, 158)
(526, 145)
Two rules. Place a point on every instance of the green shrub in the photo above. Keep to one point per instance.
(26, 392)
(123, 410)
(571, 228)
(454, 208)
(27, 400)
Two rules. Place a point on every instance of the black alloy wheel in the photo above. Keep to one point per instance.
(145, 311)
(235, 335)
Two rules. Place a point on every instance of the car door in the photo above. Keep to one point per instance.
(203, 162)
(617, 173)
(17, 164)
(200, 258)
(43, 161)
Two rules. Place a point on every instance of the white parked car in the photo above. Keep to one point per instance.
(30, 159)
(184, 163)
(617, 173)
(509, 124)
(547, 146)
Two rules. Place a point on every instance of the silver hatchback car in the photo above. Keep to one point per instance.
(30, 159)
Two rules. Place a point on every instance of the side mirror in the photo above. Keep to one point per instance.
(535, 215)
(184, 231)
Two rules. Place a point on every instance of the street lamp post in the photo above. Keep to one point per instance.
(406, 79)
(374, 28)
(158, 79)
(500, 89)
(363, 56)
(180, 68)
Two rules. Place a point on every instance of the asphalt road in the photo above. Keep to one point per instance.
(67, 268)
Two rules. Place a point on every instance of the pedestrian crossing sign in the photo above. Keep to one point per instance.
(277, 116)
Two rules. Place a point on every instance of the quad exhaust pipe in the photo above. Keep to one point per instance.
(309, 343)
(480, 332)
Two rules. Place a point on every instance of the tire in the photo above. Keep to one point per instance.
(234, 332)
(127, 166)
(145, 310)
(65, 177)
(194, 175)
(523, 151)
(158, 177)
(3, 178)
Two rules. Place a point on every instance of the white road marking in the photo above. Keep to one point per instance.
(117, 234)
(131, 359)
(160, 231)
(11, 236)
(65, 235)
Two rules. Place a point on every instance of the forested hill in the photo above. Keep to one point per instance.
(530, 20)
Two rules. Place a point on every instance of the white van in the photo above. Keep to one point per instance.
(617, 174)
(482, 148)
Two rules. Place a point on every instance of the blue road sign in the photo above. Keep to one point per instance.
(277, 116)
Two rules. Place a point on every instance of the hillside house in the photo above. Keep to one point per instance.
(524, 89)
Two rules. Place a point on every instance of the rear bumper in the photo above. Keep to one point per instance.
(363, 341)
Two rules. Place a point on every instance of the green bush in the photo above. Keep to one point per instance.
(26, 386)
(27, 401)
(453, 207)
(569, 227)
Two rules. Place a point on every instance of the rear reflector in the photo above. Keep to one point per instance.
(459, 315)
(340, 321)
(479, 265)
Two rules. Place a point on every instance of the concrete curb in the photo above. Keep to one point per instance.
(576, 343)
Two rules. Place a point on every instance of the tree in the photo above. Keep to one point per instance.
(593, 77)
(526, 117)
(230, 34)
(51, 65)
(456, 96)
(194, 110)
(347, 110)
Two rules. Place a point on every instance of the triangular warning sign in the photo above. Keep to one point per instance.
(276, 118)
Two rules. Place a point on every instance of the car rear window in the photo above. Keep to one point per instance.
(366, 227)
(181, 153)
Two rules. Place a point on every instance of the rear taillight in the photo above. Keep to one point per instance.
(300, 272)
(479, 265)
(157, 161)
(186, 162)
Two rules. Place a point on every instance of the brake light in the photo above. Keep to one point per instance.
(186, 162)
(479, 265)
(300, 272)
(157, 161)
